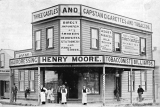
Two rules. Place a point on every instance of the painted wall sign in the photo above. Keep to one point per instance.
(106, 39)
(70, 37)
(147, 63)
(25, 54)
(23, 61)
(71, 59)
(130, 44)
(45, 14)
(70, 10)
(4, 71)
(113, 18)
(118, 60)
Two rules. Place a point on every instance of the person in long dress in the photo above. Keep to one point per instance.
(49, 95)
(52, 95)
(64, 95)
(84, 95)
(43, 94)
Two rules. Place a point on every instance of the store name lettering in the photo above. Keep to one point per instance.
(70, 10)
(70, 59)
(118, 60)
(23, 61)
(143, 62)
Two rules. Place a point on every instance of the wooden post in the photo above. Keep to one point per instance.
(131, 86)
(10, 85)
(104, 85)
(154, 100)
(39, 69)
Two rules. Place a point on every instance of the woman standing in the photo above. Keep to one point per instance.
(49, 95)
(43, 94)
(84, 95)
(52, 95)
(64, 95)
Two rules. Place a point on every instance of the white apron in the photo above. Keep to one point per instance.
(43, 98)
(64, 95)
(84, 97)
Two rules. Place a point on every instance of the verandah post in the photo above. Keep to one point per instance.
(10, 91)
(131, 86)
(104, 85)
(39, 85)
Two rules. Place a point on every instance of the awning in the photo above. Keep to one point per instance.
(4, 77)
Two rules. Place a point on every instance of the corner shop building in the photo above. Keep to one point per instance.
(78, 45)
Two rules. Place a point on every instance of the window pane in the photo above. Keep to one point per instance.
(143, 47)
(2, 60)
(31, 75)
(50, 33)
(37, 44)
(21, 75)
(95, 33)
(94, 43)
(21, 86)
(117, 38)
(50, 43)
(32, 85)
(38, 35)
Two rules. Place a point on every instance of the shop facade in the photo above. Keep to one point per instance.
(78, 45)
(5, 55)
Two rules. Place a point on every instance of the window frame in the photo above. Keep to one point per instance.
(29, 79)
(145, 81)
(19, 80)
(47, 40)
(133, 81)
(120, 42)
(1, 60)
(142, 54)
(92, 40)
(35, 41)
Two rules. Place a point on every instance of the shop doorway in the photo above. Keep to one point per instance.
(70, 79)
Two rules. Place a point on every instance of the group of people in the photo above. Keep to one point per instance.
(61, 94)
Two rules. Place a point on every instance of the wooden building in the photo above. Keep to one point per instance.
(78, 45)
(5, 55)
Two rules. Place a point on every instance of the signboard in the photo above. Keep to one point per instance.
(70, 10)
(71, 59)
(23, 61)
(130, 44)
(25, 54)
(45, 14)
(4, 71)
(113, 18)
(140, 62)
(70, 37)
(106, 39)
(118, 60)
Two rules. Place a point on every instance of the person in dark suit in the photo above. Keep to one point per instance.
(140, 92)
(14, 92)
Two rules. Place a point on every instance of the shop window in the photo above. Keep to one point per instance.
(2, 60)
(144, 80)
(91, 80)
(133, 81)
(94, 38)
(50, 35)
(38, 40)
(21, 80)
(117, 42)
(143, 46)
(31, 80)
(6, 86)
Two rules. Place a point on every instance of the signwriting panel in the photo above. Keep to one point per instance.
(71, 59)
(23, 61)
(113, 18)
(106, 39)
(70, 37)
(140, 62)
(25, 54)
(70, 10)
(130, 44)
(45, 14)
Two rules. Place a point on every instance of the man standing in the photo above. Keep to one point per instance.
(59, 94)
(84, 95)
(140, 92)
(64, 95)
(14, 92)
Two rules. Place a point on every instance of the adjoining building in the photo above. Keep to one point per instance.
(78, 45)
(156, 57)
(5, 55)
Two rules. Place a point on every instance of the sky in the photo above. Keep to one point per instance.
(16, 17)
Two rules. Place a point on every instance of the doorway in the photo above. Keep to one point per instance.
(70, 79)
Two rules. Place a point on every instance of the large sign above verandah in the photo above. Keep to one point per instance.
(70, 37)
(130, 44)
(80, 10)
(71, 59)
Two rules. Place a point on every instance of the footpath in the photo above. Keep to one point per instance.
(111, 103)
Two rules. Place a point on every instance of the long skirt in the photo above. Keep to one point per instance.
(84, 98)
(43, 98)
(63, 98)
